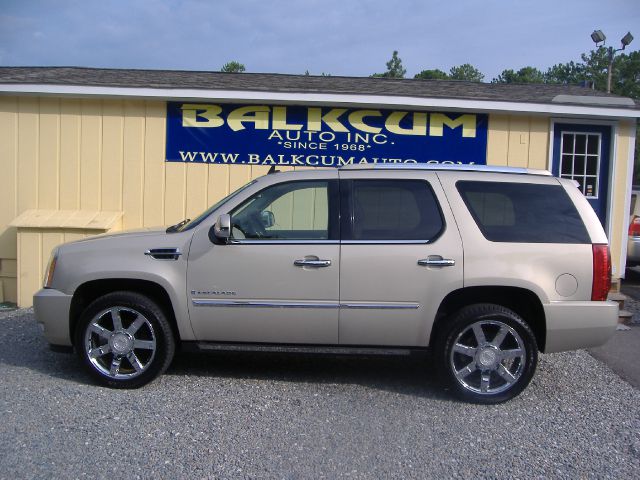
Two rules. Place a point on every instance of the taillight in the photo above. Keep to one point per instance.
(634, 227)
(601, 272)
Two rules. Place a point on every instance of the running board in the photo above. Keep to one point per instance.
(320, 349)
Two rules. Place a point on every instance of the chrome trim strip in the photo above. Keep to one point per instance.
(207, 302)
(380, 306)
(283, 242)
(385, 242)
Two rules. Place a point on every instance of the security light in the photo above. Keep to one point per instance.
(626, 40)
(597, 36)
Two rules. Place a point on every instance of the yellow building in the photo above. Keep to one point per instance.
(87, 151)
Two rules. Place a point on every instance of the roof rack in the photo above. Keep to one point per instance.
(440, 166)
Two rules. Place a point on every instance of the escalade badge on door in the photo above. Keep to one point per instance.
(213, 292)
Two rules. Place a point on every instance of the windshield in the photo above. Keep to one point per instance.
(196, 221)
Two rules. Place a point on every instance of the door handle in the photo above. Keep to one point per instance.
(311, 263)
(436, 261)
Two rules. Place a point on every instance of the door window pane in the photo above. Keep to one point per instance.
(287, 211)
(394, 210)
(580, 143)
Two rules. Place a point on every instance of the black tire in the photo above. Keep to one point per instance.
(130, 339)
(475, 364)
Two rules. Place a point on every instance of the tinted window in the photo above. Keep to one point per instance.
(392, 210)
(286, 211)
(526, 213)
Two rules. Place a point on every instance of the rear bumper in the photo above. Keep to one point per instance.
(51, 308)
(575, 325)
(633, 251)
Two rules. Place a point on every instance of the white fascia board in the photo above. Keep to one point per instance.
(244, 96)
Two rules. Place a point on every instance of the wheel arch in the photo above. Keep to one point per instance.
(520, 300)
(93, 289)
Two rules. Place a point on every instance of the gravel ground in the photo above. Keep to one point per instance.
(633, 305)
(280, 416)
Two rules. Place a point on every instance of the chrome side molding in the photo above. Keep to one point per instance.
(210, 302)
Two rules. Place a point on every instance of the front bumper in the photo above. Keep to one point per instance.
(575, 325)
(51, 308)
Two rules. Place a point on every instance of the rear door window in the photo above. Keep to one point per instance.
(390, 210)
(523, 213)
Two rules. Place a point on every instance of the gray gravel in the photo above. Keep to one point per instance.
(280, 416)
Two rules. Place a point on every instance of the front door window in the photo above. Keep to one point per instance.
(287, 211)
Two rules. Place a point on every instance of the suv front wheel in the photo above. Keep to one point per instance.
(487, 353)
(125, 340)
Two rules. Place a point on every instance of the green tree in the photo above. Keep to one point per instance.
(394, 68)
(233, 67)
(626, 75)
(524, 75)
(431, 75)
(569, 73)
(466, 72)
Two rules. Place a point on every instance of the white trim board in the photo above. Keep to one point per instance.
(244, 96)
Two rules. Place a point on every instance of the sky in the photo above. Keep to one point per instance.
(337, 37)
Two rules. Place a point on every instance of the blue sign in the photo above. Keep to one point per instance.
(321, 136)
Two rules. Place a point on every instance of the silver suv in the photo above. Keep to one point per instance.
(481, 266)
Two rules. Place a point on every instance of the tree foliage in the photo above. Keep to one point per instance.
(524, 75)
(233, 67)
(431, 75)
(467, 72)
(394, 68)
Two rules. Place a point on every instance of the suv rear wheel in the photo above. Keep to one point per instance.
(487, 354)
(125, 340)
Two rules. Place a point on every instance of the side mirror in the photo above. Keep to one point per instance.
(221, 229)
(268, 219)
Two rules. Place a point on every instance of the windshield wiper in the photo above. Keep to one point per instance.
(174, 228)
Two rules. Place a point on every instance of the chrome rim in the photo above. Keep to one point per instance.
(120, 342)
(488, 357)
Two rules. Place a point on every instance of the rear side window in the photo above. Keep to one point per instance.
(387, 210)
(523, 213)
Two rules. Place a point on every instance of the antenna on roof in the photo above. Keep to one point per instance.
(272, 170)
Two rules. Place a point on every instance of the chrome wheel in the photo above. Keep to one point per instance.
(488, 357)
(120, 342)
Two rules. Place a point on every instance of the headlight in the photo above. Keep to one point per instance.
(51, 267)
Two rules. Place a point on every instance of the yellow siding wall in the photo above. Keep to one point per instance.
(518, 141)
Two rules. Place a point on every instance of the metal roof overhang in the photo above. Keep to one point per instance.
(307, 98)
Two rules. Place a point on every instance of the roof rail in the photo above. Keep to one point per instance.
(440, 166)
